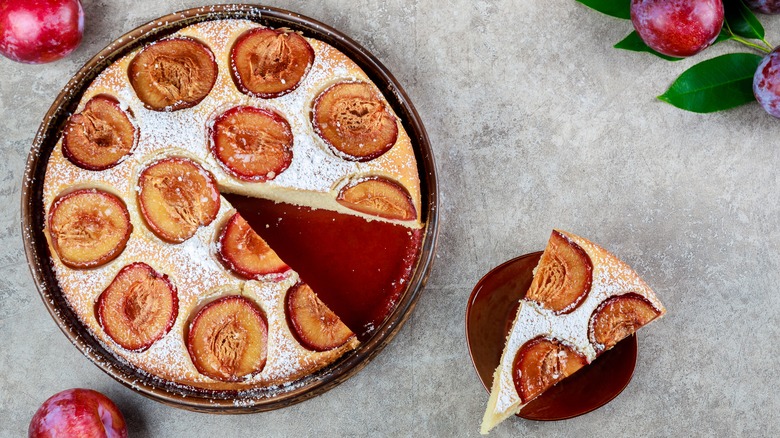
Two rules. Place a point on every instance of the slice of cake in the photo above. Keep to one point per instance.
(582, 301)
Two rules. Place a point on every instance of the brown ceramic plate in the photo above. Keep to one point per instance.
(38, 254)
(489, 315)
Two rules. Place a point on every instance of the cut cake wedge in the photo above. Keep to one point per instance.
(582, 301)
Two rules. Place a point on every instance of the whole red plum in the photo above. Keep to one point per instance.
(766, 83)
(39, 31)
(678, 28)
(78, 413)
(764, 6)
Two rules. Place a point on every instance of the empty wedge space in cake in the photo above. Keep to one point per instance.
(582, 301)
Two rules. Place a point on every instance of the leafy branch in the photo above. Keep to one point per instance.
(713, 85)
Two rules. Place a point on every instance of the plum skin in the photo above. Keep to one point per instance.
(678, 28)
(766, 83)
(40, 31)
(78, 412)
(764, 6)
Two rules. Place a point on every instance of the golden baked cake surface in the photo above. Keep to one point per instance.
(314, 178)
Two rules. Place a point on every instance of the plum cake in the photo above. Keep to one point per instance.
(153, 258)
(581, 302)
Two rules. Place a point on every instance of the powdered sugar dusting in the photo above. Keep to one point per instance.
(314, 176)
(528, 320)
(315, 168)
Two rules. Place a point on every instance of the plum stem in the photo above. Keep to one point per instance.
(753, 45)
(767, 48)
(763, 40)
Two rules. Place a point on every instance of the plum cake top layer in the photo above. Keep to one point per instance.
(155, 261)
(581, 302)
(272, 148)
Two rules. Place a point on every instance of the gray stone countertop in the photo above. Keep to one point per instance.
(536, 122)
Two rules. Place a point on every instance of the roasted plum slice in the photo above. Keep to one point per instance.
(246, 253)
(176, 197)
(253, 144)
(173, 74)
(541, 363)
(88, 228)
(228, 339)
(619, 317)
(354, 119)
(378, 196)
(138, 308)
(316, 326)
(563, 277)
(269, 63)
(100, 136)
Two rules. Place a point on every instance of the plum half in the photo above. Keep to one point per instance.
(228, 339)
(138, 308)
(541, 363)
(176, 197)
(173, 74)
(269, 63)
(355, 121)
(253, 144)
(378, 196)
(100, 136)
(246, 253)
(88, 228)
(563, 277)
(316, 326)
(619, 317)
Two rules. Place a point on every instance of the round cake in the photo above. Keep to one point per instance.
(150, 255)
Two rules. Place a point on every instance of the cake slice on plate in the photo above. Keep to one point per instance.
(582, 301)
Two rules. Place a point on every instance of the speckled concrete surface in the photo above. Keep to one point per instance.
(536, 123)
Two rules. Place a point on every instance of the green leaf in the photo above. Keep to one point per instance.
(634, 43)
(722, 36)
(615, 8)
(741, 20)
(715, 84)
